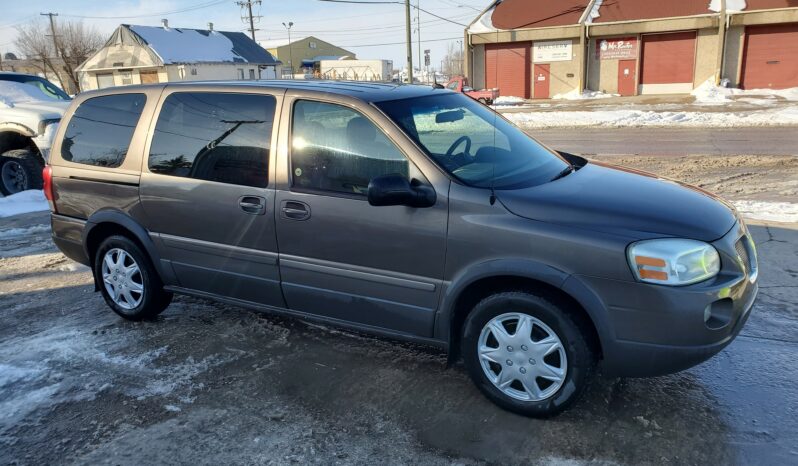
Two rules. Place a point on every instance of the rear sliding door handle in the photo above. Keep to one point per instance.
(254, 205)
(294, 210)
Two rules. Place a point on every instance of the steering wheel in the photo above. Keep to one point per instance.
(456, 143)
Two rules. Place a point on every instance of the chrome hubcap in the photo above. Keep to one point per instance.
(13, 175)
(122, 278)
(522, 357)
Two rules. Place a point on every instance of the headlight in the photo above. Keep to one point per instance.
(673, 261)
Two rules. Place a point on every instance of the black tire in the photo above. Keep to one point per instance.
(153, 300)
(27, 163)
(581, 360)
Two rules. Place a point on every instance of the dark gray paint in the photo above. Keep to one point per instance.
(399, 270)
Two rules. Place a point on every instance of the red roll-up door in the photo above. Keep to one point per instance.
(770, 57)
(668, 58)
(507, 68)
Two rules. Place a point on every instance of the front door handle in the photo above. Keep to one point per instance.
(295, 210)
(254, 205)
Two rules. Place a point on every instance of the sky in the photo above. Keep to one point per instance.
(372, 31)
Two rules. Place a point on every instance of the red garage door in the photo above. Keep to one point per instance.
(507, 68)
(666, 63)
(770, 57)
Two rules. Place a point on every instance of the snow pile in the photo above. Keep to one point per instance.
(594, 12)
(768, 211)
(20, 232)
(637, 118)
(509, 100)
(731, 5)
(709, 93)
(22, 203)
(586, 95)
(12, 93)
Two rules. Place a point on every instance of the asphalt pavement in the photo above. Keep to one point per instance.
(213, 384)
(671, 141)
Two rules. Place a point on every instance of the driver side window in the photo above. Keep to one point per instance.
(337, 149)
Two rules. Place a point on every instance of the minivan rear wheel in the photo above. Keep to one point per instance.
(128, 281)
(526, 353)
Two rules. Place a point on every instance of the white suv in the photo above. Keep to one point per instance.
(30, 109)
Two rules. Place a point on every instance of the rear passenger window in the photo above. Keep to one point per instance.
(214, 137)
(100, 130)
(337, 149)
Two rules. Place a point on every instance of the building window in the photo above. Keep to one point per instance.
(240, 73)
(193, 71)
(127, 77)
(312, 45)
(251, 74)
(105, 80)
(100, 130)
(218, 137)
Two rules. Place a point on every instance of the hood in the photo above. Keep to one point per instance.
(44, 110)
(626, 202)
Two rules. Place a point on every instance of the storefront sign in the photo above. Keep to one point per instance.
(617, 49)
(555, 50)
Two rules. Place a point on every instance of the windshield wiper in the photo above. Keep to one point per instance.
(566, 171)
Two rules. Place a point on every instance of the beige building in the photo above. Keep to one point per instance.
(148, 54)
(302, 54)
(539, 49)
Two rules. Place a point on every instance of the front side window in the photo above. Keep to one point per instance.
(473, 143)
(100, 130)
(337, 149)
(214, 137)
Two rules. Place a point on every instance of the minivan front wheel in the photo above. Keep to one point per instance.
(526, 353)
(128, 281)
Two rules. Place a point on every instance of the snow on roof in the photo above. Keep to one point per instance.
(594, 11)
(731, 5)
(484, 24)
(180, 45)
(12, 93)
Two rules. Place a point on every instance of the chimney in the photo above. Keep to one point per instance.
(165, 23)
(210, 27)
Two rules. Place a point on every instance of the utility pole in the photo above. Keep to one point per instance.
(409, 43)
(418, 29)
(249, 16)
(721, 41)
(55, 44)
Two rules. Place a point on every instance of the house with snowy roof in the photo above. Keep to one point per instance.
(152, 54)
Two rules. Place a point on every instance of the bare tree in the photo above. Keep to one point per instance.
(453, 61)
(76, 43)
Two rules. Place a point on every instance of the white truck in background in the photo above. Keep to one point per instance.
(356, 70)
(30, 109)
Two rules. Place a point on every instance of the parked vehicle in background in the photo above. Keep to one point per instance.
(460, 84)
(30, 109)
(400, 210)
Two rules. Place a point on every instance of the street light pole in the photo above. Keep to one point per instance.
(290, 47)
(409, 43)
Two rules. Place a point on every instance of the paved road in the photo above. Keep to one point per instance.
(213, 384)
(668, 141)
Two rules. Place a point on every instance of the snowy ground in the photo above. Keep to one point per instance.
(709, 106)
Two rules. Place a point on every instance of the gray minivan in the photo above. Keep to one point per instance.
(404, 211)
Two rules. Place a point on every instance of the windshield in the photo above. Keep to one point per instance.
(48, 88)
(473, 143)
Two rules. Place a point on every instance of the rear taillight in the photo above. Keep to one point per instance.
(47, 182)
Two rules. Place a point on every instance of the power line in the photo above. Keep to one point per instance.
(383, 2)
(162, 13)
(249, 16)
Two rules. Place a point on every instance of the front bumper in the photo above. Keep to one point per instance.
(655, 330)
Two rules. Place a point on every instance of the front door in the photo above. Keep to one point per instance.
(207, 195)
(627, 77)
(340, 257)
(541, 77)
(148, 77)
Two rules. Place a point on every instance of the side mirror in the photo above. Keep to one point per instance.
(395, 189)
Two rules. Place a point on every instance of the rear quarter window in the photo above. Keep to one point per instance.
(100, 130)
